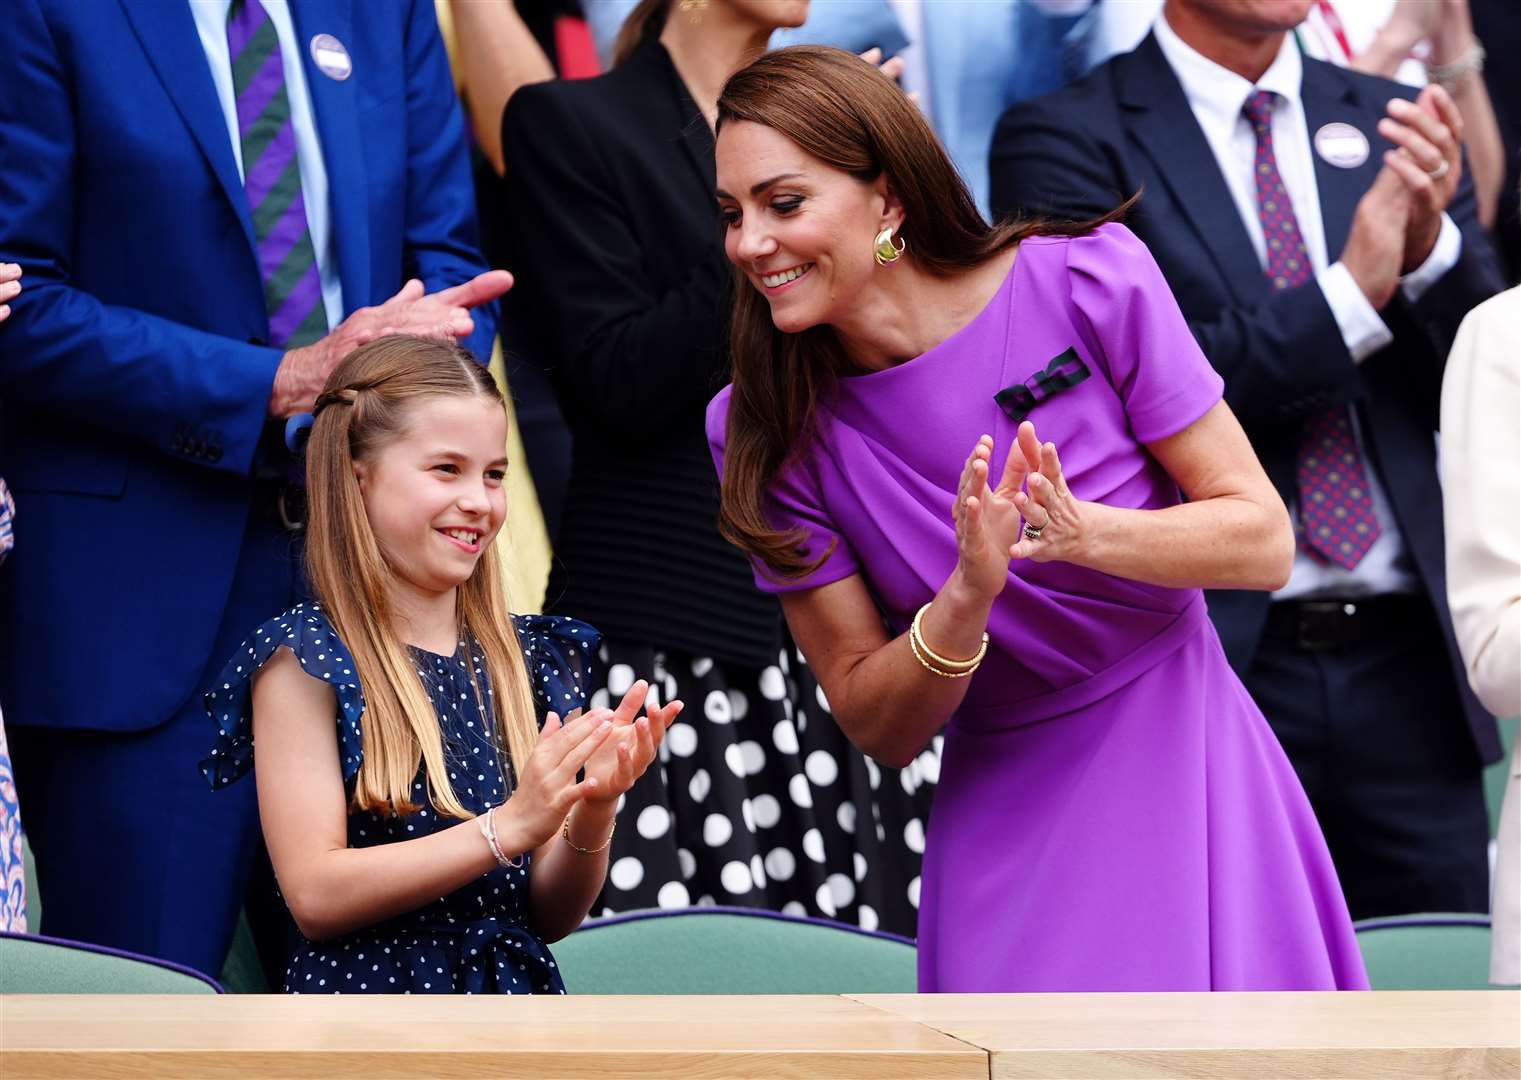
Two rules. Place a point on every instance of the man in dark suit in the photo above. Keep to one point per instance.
(1319, 234)
(213, 203)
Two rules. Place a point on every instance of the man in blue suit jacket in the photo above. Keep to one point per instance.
(1355, 666)
(144, 401)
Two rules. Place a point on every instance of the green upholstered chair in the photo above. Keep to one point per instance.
(40, 965)
(717, 950)
(1426, 952)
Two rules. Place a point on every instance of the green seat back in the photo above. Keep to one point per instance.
(32, 965)
(732, 951)
(1426, 952)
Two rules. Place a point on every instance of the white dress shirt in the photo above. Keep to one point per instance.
(211, 24)
(1217, 97)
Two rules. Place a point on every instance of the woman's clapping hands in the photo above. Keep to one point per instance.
(992, 521)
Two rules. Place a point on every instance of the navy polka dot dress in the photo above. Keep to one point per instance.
(476, 940)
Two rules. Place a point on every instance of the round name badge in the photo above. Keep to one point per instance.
(331, 57)
(1341, 145)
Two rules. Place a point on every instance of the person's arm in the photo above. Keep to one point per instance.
(332, 889)
(497, 55)
(113, 368)
(630, 353)
(1481, 494)
(1232, 533)
(441, 239)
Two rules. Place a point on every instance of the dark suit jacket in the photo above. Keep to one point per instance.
(134, 367)
(621, 263)
(1127, 127)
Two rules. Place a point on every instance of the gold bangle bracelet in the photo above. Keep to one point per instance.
(916, 631)
(565, 832)
(917, 646)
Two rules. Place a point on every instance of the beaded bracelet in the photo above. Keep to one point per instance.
(1471, 62)
(487, 823)
(933, 661)
(565, 832)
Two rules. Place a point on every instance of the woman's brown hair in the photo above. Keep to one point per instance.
(844, 112)
(366, 404)
(643, 24)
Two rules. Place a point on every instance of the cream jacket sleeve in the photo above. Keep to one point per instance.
(1481, 492)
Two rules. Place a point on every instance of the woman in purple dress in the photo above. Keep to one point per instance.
(1113, 813)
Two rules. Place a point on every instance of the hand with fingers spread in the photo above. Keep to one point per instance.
(1054, 520)
(445, 314)
(987, 520)
(547, 789)
(635, 741)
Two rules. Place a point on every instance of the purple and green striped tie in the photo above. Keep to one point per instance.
(272, 179)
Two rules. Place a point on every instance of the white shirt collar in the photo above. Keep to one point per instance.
(1216, 94)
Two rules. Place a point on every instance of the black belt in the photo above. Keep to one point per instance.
(1327, 625)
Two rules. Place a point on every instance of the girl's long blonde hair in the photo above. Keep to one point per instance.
(365, 406)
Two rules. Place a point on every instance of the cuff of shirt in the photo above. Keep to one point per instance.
(1361, 329)
(1443, 257)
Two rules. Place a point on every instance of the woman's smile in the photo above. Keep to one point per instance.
(784, 279)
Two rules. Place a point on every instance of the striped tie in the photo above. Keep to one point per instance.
(272, 179)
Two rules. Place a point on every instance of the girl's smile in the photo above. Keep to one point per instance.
(434, 496)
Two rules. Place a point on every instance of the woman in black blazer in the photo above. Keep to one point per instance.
(760, 800)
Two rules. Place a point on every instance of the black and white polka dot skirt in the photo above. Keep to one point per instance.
(759, 800)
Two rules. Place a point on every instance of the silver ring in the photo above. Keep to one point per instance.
(1440, 171)
(1032, 533)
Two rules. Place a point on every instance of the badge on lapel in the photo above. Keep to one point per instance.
(331, 57)
(1063, 373)
(1341, 145)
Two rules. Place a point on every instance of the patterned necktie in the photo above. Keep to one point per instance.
(272, 180)
(1336, 518)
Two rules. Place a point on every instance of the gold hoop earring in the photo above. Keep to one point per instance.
(885, 250)
(694, 9)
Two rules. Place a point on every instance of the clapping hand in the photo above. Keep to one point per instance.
(1428, 157)
(1053, 519)
(547, 789)
(10, 287)
(632, 747)
(997, 524)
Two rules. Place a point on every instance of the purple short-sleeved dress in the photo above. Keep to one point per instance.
(1113, 811)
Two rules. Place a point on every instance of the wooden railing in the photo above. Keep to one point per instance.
(1377, 1035)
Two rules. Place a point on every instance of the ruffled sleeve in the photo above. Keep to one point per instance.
(559, 653)
(307, 633)
(1142, 338)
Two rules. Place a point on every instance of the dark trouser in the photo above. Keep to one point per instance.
(1366, 707)
(134, 849)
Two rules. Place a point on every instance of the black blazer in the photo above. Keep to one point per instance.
(614, 218)
(1127, 127)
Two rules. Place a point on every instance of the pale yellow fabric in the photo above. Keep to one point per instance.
(524, 541)
(451, 45)
(1481, 495)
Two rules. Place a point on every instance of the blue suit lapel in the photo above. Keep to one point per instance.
(1329, 97)
(168, 35)
(337, 108)
(1164, 127)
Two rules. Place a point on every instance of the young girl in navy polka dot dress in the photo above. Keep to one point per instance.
(428, 834)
